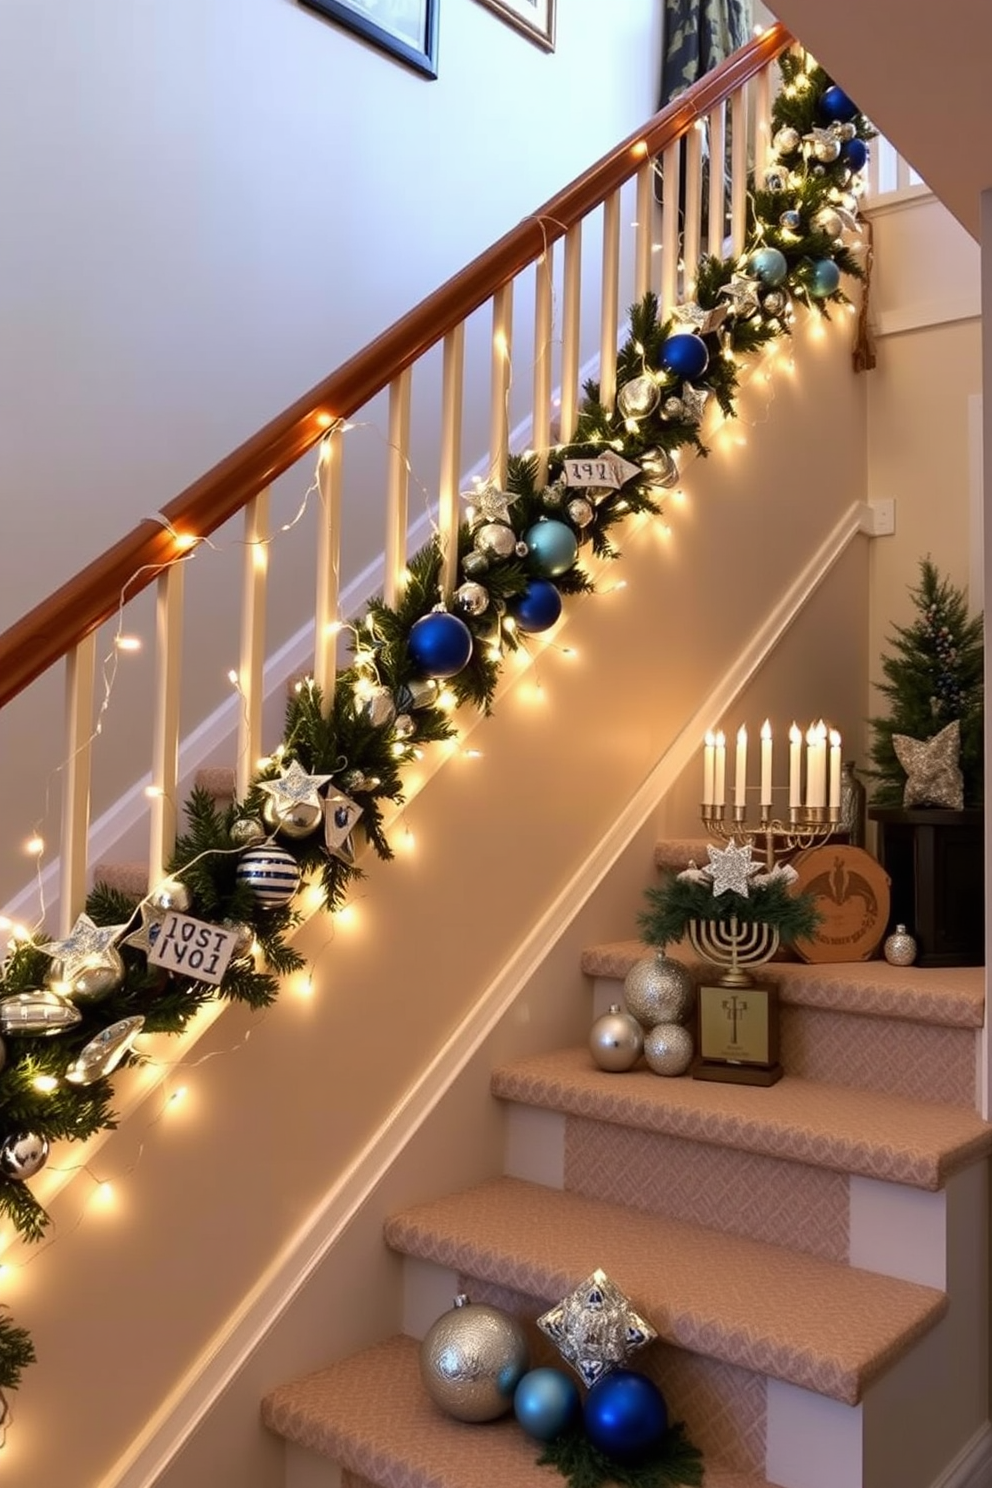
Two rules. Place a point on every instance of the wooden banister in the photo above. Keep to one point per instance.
(52, 628)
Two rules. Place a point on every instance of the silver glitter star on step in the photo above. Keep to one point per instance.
(730, 868)
(694, 401)
(743, 292)
(88, 947)
(490, 505)
(294, 788)
(703, 322)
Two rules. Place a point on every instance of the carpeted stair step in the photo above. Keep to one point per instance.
(675, 853)
(825, 1327)
(901, 1030)
(370, 1413)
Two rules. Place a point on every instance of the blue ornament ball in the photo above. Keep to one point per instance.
(836, 107)
(546, 1403)
(272, 874)
(538, 607)
(553, 546)
(854, 154)
(625, 1415)
(685, 355)
(824, 279)
(769, 265)
(440, 644)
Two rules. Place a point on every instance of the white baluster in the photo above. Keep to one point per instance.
(543, 370)
(610, 298)
(718, 154)
(397, 486)
(570, 332)
(762, 112)
(738, 170)
(452, 379)
(252, 662)
(499, 383)
(691, 238)
(165, 736)
(328, 567)
(671, 173)
(644, 229)
(80, 669)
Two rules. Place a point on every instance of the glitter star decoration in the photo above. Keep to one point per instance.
(294, 788)
(730, 868)
(933, 771)
(743, 294)
(703, 322)
(88, 947)
(694, 401)
(595, 1328)
(490, 504)
(147, 933)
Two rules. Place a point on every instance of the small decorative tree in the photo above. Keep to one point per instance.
(932, 677)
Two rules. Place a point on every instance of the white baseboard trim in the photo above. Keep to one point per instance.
(972, 1468)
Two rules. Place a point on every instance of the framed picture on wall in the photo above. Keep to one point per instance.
(535, 18)
(406, 29)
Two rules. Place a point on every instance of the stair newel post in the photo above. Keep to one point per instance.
(717, 220)
(738, 171)
(644, 226)
(543, 328)
(693, 207)
(671, 174)
(570, 322)
(252, 660)
(611, 293)
(328, 567)
(499, 383)
(80, 670)
(452, 381)
(398, 485)
(165, 736)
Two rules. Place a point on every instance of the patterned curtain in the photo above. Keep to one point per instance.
(698, 35)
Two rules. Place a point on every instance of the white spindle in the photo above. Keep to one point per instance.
(397, 485)
(452, 379)
(738, 170)
(328, 567)
(903, 181)
(165, 736)
(691, 239)
(499, 383)
(669, 278)
(762, 121)
(611, 292)
(80, 669)
(645, 229)
(252, 663)
(570, 332)
(718, 156)
(543, 327)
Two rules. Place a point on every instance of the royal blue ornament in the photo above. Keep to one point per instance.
(625, 1415)
(836, 107)
(769, 265)
(440, 644)
(546, 1403)
(553, 546)
(854, 154)
(824, 278)
(271, 873)
(538, 607)
(685, 355)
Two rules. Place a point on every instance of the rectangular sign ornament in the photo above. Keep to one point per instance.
(609, 470)
(193, 948)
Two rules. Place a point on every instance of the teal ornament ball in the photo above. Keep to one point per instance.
(553, 547)
(824, 278)
(440, 644)
(684, 354)
(769, 265)
(537, 608)
(271, 873)
(546, 1403)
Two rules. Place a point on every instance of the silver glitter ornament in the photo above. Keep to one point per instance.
(103, 1054)
(168, 896)
(494, 540)
(22, 1155)
(616, 1040)
(595, 1328)
(474, 564)
(659, 990)
(521, 549)
(826, 220)
(786, 141)
(295, 820)
(847, 132)
(90, 983)
(774, 302)
(376, 706)
(87, 944)
(244, 938)
(419, 692)
(356, 780)
(552, 497)
(673, 408)
(774, 181)
(900, 947)
(580, 512)
(472, 1360)
(404, 727)
(668, 1049)
(933, 772)
(471, 598)
(659, 466)
(826, 151)
(39, 1013)
(639, 397)
(246, 831)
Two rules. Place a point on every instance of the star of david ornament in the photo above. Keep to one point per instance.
(88, 947)
(730, 868)
(148, 931)
(490, 505)
(933, 772)
(703, 322)
(694, 401)
(341, 815)
(294, 788)
(595, 1328)
(743, 294)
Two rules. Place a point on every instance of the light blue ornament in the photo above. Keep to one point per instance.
(546, 1403)
(552, 545)
(769, 265)
(824, 278)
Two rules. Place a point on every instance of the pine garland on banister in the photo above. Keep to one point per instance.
(71, 1009)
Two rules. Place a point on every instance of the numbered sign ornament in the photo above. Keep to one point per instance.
(194, 948)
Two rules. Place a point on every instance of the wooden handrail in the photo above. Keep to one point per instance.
(54, 627)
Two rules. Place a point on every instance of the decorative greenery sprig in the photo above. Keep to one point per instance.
(675, 901)
(676, 1461)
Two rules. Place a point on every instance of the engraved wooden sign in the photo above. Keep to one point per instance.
(851, 893)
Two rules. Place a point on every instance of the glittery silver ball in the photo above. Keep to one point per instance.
(847, 132)
(826, 150)
(673, 408)
(472, 598)
(521, 549)
(668, 1049)
(827, 221)
(774, 180)
(494, 540)
(900, 947)
(170, 896)
(404, 727)
(786, 140)
(580, 511)
(474, 564)
(790, 220)
(552, 497)
(773, 302)
(659, 990)
(294, 821)
(376, 705)
(419, 692)
(244, 937)
(246, 832)
(472, 1360)
(356, 780)
(22, 1155)
(639, 397)
(93, 983)
(616, 1040)
(658, 464)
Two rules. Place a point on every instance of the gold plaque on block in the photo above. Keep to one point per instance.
(738, 1035)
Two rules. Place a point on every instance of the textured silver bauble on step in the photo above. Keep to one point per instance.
(900, 947)
(294, 819)
(668, 1049)
(472, 1360)
(616, 1040)
(659, 990)
(22, 1155)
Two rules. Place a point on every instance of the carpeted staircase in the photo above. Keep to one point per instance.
(804, 1251)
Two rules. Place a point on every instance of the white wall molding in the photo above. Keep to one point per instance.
(972, 1468)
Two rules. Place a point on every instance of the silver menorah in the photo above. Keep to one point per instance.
(733, 945)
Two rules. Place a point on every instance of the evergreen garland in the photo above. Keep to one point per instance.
(365, 758)
(676, 901)
(676, 1461)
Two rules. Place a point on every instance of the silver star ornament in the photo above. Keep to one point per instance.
(694, 401)
(703, 322)
(730, 868)
(294, 788)
(490, 504)
(743, 294)
(148, 931)
(88, 947)
(595, 1328)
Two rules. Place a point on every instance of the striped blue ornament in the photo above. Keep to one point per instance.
(272, 874)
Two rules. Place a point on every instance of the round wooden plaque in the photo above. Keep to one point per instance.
(851, 892)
